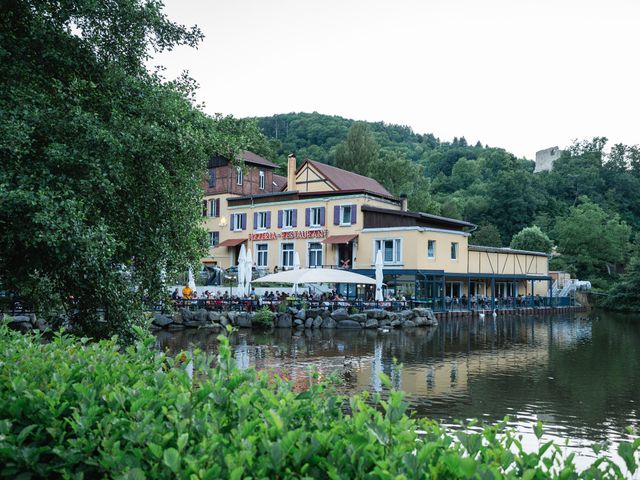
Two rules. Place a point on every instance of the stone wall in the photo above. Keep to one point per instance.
(295, 318)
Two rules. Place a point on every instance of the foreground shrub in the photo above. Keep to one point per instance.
(72, 408)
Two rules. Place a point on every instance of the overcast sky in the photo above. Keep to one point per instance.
(519, 74)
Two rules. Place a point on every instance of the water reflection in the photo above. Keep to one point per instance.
(579, 375)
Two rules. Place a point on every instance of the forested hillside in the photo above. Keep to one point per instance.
(587, 207)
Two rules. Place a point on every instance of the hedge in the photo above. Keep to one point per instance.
(73, 408)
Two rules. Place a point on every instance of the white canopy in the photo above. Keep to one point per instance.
(316, 275)
(191, 283)
(379, 267)
(248, 271)
(242, 258)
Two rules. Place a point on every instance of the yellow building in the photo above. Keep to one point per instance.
(338, 219)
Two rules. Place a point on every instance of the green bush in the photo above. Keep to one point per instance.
(77, 409)
(263, 317)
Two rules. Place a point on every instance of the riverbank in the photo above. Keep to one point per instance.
(139, 413)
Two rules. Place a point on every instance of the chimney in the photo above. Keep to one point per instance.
(405, 202)
(291, 172)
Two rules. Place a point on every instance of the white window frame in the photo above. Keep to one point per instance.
(212, 208)
(314, 212)
(260, 253)
(211, 236)
(282, 253)
(239, 176)
(396, 251)
(261, 221)
(343, 208)
(321, 250)
(236, 222)
(455, 248)
(431, 256)
(261, 178)
(287, 214)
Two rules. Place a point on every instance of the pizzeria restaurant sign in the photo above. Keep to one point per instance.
(290, 235)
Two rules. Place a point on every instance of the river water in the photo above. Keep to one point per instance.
(579, 374)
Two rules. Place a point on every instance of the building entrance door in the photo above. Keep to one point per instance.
(345, 255)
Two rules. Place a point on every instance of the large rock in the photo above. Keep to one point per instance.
(42, 325)
(358, 317)
(232, 317)
(185, 314)
(161, 320)
(340, 314)
(420, 321)
(376, 313)
(21, 326)
(408, 324)
(309, 322)
(314, 312)
(371, 323)
(284, 321)
(297, 322)
(201, 315)
(317, 322)
(224, 321)
(421, 312)
(20, 319)
(348, 324)
(243, 321)
(395, 323)
(301, 314)
(292, 310)
(406, 314)
(328, 322)
(213, 317)
(385, 322)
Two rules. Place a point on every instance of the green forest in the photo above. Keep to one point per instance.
(586, 210)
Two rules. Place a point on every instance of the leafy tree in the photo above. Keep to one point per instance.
(487, 235)
(402, 176)
(623, 295)
(102, 161)
(532, 239)
(359, 151)
(590, 239)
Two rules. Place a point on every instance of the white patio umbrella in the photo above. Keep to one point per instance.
(316, 275)
(248, 273)
(379, 266)
(191, 283)
(242, 257)
(296, 266)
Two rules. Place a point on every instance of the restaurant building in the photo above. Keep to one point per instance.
(338, 219)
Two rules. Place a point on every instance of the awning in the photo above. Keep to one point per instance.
(339, 239)
(232, 242)
(316, 275)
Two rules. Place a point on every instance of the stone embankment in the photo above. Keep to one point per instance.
(300, 319)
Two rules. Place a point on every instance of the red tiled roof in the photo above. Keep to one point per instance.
(345, 180)
(281, 182)
(256, 159)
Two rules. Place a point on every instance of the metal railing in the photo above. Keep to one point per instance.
(437, 305)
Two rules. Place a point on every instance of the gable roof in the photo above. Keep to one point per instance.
(256, 159)
(345, 180)
(280, 181)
